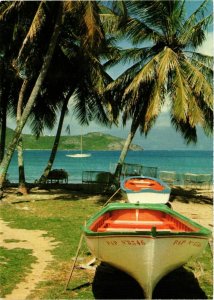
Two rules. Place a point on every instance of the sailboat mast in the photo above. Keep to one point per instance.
(81, 144)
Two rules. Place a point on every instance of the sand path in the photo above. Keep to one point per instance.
(41, 247)
(200, 213)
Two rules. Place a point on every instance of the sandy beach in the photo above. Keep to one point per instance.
(195, 204)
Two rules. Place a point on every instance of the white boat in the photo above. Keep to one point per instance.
(144, 189)
(147, 241)
(81, 154)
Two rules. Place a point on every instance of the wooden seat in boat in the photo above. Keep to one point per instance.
(135, 225)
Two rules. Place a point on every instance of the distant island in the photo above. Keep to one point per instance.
(91, 141)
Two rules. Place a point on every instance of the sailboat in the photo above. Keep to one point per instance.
(81, 154)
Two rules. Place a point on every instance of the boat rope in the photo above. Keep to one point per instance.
(75, 260)
(111, 197)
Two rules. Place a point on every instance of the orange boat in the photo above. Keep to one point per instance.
(143, 189)
(146, 241)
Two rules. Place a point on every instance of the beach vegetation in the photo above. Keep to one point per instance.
(165, 68)
(91, 141)
(16, 262)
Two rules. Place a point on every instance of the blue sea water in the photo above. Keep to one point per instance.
(198, 162)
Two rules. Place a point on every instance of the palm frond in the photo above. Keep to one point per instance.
(157, 67)
(198, 32)
(8, 9)
(146, 74)
(35, 26)
(110, 20)
(188, 132)
(166, 64)
(208, 119)
(127, 56)
(198, 14)
(195, 113)
(95, 33)
(179, 94)
(70, 7)
(193, 31)
(154, 107)
(198, 83)
(203, 59)
(42, 116)
(139, 32)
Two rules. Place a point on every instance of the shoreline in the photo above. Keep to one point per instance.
(119, 150)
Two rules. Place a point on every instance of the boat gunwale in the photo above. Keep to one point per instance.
(153, 233)
(166, 189)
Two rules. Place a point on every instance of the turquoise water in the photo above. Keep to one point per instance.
(178, 161)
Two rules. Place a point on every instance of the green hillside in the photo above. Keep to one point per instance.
(91, 141)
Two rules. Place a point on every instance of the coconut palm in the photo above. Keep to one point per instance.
(88, 37)
(46, 62)
(12, 30)
(74, 54)
(165, 64)
(22, 185)
(8, 84)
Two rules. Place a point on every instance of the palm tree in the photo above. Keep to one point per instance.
(48, 168)
(169, 66)
(11, 32)
(26, 60)
(22, 185)
(8, 83)
(75, 54)
(26, 112)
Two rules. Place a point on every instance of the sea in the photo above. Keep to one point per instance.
(181, 162)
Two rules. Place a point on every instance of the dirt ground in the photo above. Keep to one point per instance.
(197, 207)
(40, 246)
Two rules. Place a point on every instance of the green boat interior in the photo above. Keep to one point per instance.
(140, 220)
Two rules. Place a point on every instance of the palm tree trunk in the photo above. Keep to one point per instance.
(22, 184)
(124, 151)
(3, 126)
(3, 109)
(48, 168)
(47, 59)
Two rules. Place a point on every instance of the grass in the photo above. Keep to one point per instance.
(63, 220)
(14, 262)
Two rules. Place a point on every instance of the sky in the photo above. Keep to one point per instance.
(163, 121)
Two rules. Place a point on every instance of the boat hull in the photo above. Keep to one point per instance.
(141, 189)
(146, 241)
(146, 259)
(79, 155)
(148, 197)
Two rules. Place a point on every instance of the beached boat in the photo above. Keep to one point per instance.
(146, 241)
(145, 190)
